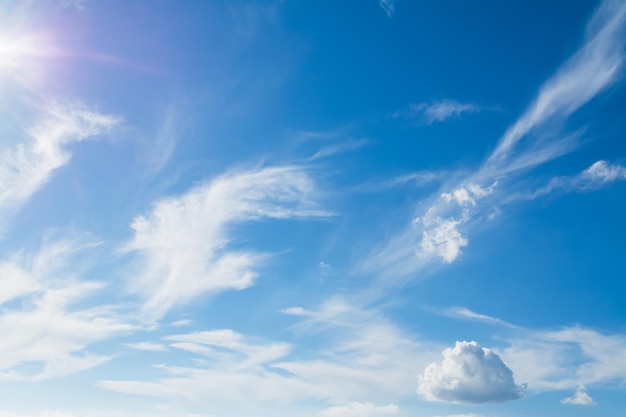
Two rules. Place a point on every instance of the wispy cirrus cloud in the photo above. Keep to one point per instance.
(350, 145)
(27, 165)
(183, 242)
(597, 175)
(592, 69)
(359, 358)
(389, 6)
(440, 229)
(176, 122)
(467, 314)
(47, 332)
(437, 111)
(566, 358)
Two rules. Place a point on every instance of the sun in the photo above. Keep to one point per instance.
(26, 49)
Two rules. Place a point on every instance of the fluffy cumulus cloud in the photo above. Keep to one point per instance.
(580, 397)
(468, 373)
(184, 241)
(356, 409)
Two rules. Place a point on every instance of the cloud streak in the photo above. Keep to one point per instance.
(358, 354)
(437, 111)
(439, 232)
(28, 165)
(45, 329)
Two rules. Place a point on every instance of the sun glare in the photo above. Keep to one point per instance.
(23, 56)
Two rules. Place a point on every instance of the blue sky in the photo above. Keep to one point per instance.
(312, 208)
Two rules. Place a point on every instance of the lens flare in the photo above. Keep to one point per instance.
(25, 53)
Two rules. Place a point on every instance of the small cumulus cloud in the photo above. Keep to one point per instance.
(469, 373)
(580, 397)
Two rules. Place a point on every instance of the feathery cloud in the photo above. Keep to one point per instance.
(436, 111)
(389, 6)
(439, 231)
(592, 178)
(361, 355)
(46, 330)
(27, 166)
(350, 145)
(183, 242)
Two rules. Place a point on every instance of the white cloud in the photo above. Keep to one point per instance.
(356, 354)
(437, 111)
(181, 323)
(580, 397)
(148, 346)
(389, 6)
(184, 241)
(440, 228)
(593, 68)
(592, 178)
(441, 238)
(204, 342)
(347, 146)
(566, 358)
(598, 174)
(27, 166)
(176, 121)
(356, 409)
(45, 329)
(468, 373)
(467, 314)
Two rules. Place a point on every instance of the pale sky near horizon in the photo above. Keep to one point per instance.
(347, 208)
